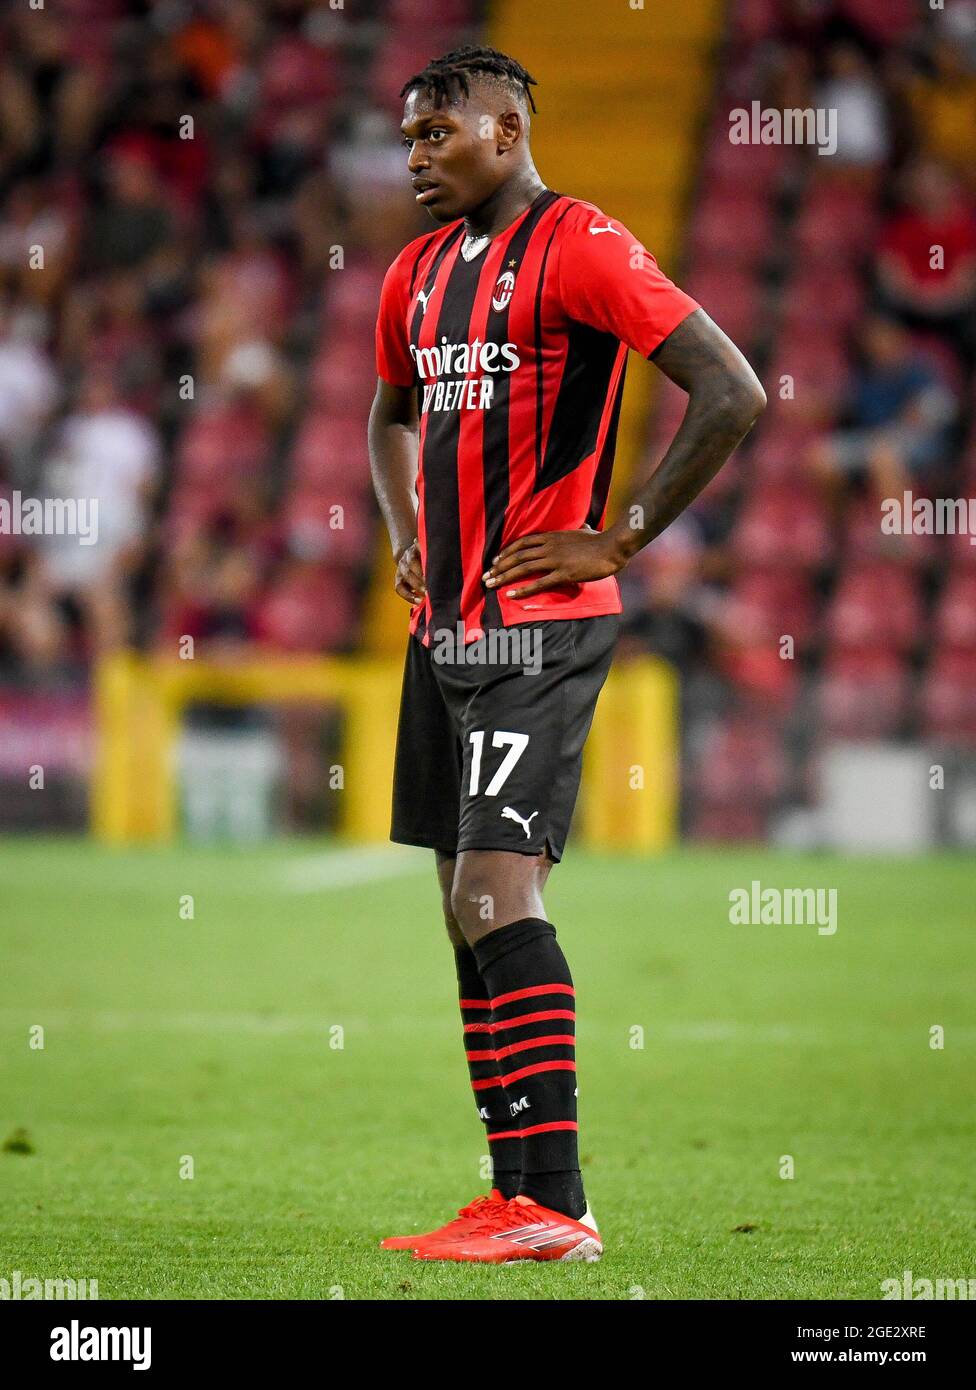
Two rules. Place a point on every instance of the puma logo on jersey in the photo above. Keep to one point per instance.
(595, 231)
(509, 814)
(424, 295)
(521, 1104)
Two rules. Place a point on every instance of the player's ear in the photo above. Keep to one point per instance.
(510, 128)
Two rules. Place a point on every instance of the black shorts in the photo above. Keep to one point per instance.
(489, 753)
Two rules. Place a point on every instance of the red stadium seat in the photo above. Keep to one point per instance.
(765, 605)
(876, 608)
(329, 448)
(727, 824)
(960, 548)
(311, 609)
(403, 52)
(823, 238)
(864, 695)
(864, 540)
(778, 457)
(342, 382)
(731, 231)
(888, 22)
(955, 615)
(826, 298)
(731, 168)
(781, 526)
(335, 525)
(948, 699)
(220, 444)
(729, 296)
(751, 21)
(353, 297)
(297, 73)
(429, 12)
(741, 763)
(808, 378)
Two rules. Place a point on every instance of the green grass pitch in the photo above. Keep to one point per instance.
(215, 1038)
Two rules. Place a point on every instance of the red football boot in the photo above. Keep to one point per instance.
(519, 1230)
(466, 1220)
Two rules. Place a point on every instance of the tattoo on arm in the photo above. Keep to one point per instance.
(724, 400)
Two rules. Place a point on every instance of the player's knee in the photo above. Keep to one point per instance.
(452, 925)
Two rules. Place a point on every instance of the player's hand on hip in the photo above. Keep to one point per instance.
(552, 558)
(409, 581)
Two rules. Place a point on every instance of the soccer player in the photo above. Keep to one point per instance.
(501, 343)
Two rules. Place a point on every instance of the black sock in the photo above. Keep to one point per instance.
(533, 1006)
(489, 1096)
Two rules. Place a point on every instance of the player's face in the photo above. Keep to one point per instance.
(453, 163)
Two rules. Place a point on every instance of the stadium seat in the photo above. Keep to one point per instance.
(887, 22)
(310, 609)
(782, 526)
(329, 449)
(402, 52)
(948, 698)
(955, 614)
(764, 605)
(751, 21)
(219, 444)
(342, 382)
(731, 298)
(733, 231)
(863, 695)
(741, 763)
(875, 608)
(821, 237)
(864, 541)
(828, 298)
(335, 525)
(298, 73)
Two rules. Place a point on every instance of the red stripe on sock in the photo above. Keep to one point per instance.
(554, 1040)
(533, 1129)
(537, 1067)
(477, 1027)
(475, 1003)
(531, 993)
(486, 1084)
(522, 1019)
(491, 1056)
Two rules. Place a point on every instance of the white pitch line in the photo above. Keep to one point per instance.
(348, 868)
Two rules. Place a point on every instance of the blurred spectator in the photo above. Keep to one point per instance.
(109, 455)
(48, 99)
(926, 263)
(897, 418)
(28, 386)
(132, 223)
(854, 92)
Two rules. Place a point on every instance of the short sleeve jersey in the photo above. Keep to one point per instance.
(518, 358)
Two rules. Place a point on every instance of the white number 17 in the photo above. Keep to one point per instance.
(500, 738)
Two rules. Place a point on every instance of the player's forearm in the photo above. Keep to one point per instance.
(393, 467)
(725, 398)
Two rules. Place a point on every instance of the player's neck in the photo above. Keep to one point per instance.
(506, 204)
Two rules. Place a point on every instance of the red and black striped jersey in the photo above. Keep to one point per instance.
(518, 359)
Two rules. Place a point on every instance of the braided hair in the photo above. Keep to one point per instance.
(445, 77)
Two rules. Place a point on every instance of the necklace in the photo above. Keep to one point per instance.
(472, 246)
